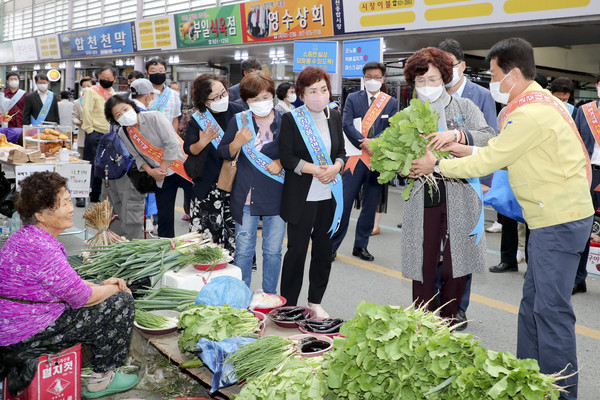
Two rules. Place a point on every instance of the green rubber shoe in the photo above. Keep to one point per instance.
(120, 383)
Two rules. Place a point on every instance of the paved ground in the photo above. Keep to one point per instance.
(494, 301)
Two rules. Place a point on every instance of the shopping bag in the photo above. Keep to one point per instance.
(501, 197)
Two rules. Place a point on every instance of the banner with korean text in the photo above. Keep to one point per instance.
(357, 53)
(265, 20)
(102, 41)
(48, 47)
(156, 34)
(321, 54)
(209, 27)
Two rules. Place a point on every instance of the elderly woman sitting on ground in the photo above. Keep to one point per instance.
(46, 307)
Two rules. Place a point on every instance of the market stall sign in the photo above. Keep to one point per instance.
(103, 41)
(24, 50)
(322, 54)
(286, 19)
(78, 177)
(48, 47)
(357, 53)
(156, 34)
(352, 16)
(210, 27)
(54, 75)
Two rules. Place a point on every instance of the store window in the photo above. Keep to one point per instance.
(49, 16)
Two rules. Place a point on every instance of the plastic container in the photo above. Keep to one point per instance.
(316, 336)
(308, 314)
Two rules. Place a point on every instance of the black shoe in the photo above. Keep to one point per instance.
(362, 253)
(254, 267)
(333, 255)
(504, 267)
(579, 288)
(459, 319)
(400, 225)
(80, 202)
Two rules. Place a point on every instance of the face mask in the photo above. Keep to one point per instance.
(261, 108)
(106, 84)
(372, 85)
(129, 118)
(221, 105)
(430, 93)
(497, 95)
(82, 91)
(158, 78)
(42, 87)
(455, 77)
(292, 97)
(598, 90)
(317, 102)
(13, 84)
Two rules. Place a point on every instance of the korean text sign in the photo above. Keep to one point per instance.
(105, 40)
(321, 54)
(359, 52)
(286, 19)
(210, 27)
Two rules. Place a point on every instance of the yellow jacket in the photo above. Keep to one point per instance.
(545, 162)
(92, 116)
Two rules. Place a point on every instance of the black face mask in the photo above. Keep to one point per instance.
(158, 78)
(106, 84)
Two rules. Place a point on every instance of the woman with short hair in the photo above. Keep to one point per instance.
(286, 93)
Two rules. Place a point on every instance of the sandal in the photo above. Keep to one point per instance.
(120, 383)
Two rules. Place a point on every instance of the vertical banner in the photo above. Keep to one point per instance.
(359, 52)
(103, 41)
(321, 54)
(156, 34)
(210, 27)
(286, 19)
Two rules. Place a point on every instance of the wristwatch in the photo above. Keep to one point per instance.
(436, 167)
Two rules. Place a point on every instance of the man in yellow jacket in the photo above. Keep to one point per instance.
(549, 171)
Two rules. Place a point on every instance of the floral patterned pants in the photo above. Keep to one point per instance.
(211, 216)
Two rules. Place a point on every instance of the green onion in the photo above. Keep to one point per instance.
(264, 355)
(166, 299)
(153, 321)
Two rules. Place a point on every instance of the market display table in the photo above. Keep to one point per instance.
(190, 278)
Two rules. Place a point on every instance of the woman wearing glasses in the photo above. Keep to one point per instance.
(210, 213)
(311, 147)
(446, 219)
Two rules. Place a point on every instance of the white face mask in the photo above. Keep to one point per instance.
(598, 90)
(261, 108)
(431, 93)
(129, 118)
(292, 97)
(221, 105)
(82, 91)
(372, 85)
(13, 83)
(42, 87)
(455, 77)
(497, 95)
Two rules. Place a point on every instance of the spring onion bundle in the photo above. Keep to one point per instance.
(261, 356)
(166, 299)
(99, 216)
(205, 255)
(153, 321)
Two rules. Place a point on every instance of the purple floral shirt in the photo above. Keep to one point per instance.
(34, 266)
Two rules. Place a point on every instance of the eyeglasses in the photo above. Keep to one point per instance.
(317, 91)
(368, 77)
(219, 96)
(431, 81)
(457, 64)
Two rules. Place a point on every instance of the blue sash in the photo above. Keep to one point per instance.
(258, 159)
(203, 118)
(318, 153)
(44, 111)
(80, 100)
(570, 107)
(15, 99)
(333, 106)
(162, 100)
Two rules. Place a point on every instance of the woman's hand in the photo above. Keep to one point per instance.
(437, 140)
(274, 167)
(458, 149)
(206, 136)
(423, 165)
(116, 281)
(326, 173)
(157, 173)
(242, 137)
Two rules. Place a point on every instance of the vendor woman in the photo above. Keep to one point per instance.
(46, 307)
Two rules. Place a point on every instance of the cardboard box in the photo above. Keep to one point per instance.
(593, 264)
(58, 378)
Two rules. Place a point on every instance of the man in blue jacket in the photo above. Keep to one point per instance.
(366, 115)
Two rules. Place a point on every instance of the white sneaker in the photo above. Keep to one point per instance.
(321, 313)
(149, 225)
(520, 256)
(495, 228)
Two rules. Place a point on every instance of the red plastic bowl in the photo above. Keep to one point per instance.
(207, 267)
(267, 310)
(308, 312)
(262, 325)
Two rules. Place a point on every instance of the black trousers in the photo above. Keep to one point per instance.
(314, 224)
(165, 202)
(509, 240)
(89, 153)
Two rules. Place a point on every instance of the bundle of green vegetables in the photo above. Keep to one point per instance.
(298, 379)
(265, 354)
(166, 298)
(392, 353)
(215, 323)
(404, 141)
(145, 258)
(154, 321)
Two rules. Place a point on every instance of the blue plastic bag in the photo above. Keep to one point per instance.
(225, 290)
(501, 197)
(214, 355)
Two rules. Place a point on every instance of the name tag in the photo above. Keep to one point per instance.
(384, 116)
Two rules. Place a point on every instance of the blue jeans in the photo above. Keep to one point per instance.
(273, 232)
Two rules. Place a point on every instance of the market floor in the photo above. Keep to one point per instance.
(494, 300)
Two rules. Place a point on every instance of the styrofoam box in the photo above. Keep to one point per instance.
(192, 279)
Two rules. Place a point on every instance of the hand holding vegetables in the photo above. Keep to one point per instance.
(423, 166)
(437, 140)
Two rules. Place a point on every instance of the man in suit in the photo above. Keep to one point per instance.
(460, 86)
(249, 65)
(40, 100)
(377, 107)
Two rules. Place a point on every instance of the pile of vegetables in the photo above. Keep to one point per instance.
(166, 298)
(205, 255)
(391, 352)
(215, 323)
(261, 356)
(289, 314)
(154, 321)
(98, 217)
(328, 325)
(404, 141)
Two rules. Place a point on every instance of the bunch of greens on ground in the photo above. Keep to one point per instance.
(153, 321)
(264, 355)
(298, 379)
(214, 323)
(391, 352)
(404, 141)
(166, 298)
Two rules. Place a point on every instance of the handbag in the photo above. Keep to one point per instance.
(141, 180)
(227, 174)
(501, 197)
(194, 166)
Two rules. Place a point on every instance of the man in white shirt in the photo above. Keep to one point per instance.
(65, 109)
(167, 101)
